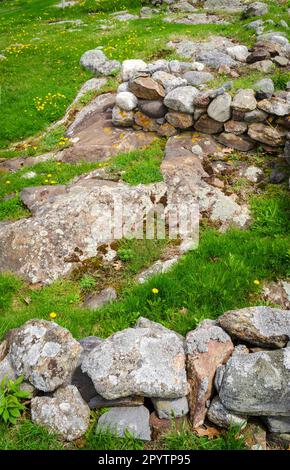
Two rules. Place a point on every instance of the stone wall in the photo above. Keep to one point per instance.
(223, 372)
(169, 97)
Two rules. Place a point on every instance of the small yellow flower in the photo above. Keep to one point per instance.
(49, 175)
(52, 182)
(257, 282)
(53, 315)
(155, 291)
(8, 182)
(46, 181)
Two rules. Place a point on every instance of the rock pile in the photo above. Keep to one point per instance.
(224, 371)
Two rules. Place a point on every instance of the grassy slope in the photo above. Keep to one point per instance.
(216, 277)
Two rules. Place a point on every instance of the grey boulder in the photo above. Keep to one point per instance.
(169, 409)
(220, 108)
(118, 421)
(97, 62)
(222, 417)
(181, 99)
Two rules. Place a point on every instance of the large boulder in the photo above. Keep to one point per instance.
(44, 353)
(146, 361)
(64, 413)
(257, 384)
(208, 346)
(97, 62)
(261, 326)
(134, 420)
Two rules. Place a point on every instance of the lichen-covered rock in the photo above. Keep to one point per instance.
(134, 419)
(97, 62)
(44, 353)
(261, 326)
(208, 346)
(122, 118)
(276, 106)
(168, 81)
(196, 78)
(169, 409)
(238, 142)
(222, 417)
(179, 120)
(64, 413)
(181, 99)
(220, 108)
(145, 122)
(235, 127)
(255, 9)
(125, 364)
(267, 134)
(132, 67)
(257, 384)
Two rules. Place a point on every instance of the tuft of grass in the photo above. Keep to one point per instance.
(28, 436)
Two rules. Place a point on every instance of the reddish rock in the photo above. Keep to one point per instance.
(236, 127)
(208, 125)
(146, 88)
(208, 346)
(237, 142)
(160, 427)
(179, 120)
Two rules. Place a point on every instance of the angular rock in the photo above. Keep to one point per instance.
(244, 101)
(275, 106)
(166, 130)
(181, 99)
(64, 413)
(134, 420)
(121, 118)
(44, 353)
(220, 108)
(169, 409)
(208, 346)
(146, 88)
(96, 301)
(152, 109)
(207, 125)
(197, 78)
(179, 120)
(168, 81)
(237, 142)
(281, 61)
(222, 417)
(261, 326)
(215, 59)
(132, 67)
(258, 55)
(126, 101)
(235, 127)
(125, 364)
(266, 135)
(258, 383)
(265, 66)
(278, 293)
(97, 62)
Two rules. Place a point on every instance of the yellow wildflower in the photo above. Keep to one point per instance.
(257, 282)
(53, 315)
(155, 291)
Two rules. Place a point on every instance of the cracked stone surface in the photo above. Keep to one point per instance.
(261, 326)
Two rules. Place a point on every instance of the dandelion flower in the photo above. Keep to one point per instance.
(257, 282)
(155, 291)
(53, 315)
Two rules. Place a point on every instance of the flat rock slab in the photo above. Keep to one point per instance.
(64, 413)
(134, 420)
(196, 18)
(261, 326)
(257, 384)
(125, 364)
